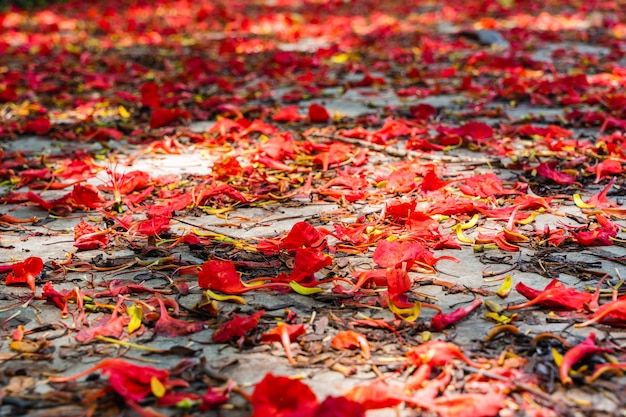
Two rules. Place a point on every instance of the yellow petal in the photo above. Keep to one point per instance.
(558, 358)
(460, 235)
(136, 314)
(340, 58)
(25, 346)
(123, 112)
(505, 288)
(580, 203)
(220, 297)
(409, 314)
(157, 387)
(302, 290)
(471, 223)
(528, 219)
(500, 318)
(493, 306)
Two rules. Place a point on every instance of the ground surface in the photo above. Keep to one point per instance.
(430, 154)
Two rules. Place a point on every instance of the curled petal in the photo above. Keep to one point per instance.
(577, 353)
(440, 321)
(25, 272)
(350, 339)
(285, 334)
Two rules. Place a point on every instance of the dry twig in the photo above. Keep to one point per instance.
(402, 153)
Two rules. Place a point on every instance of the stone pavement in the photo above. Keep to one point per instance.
(52, 240)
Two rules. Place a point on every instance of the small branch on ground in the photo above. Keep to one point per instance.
(401, 153)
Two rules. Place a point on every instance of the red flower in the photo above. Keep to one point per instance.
(153, 226)
(485, 185)
(280, 396)
(132, 382)
(600, 199)
(600, 236)
(606, 168)
(86, 196)
(8, 93)
(478, 131)
(88, 236)
(61, 299)
(392, 254)
(398, 283)
(25, 272)
(611, 312)
(221, 276)
(114, 326)
(150, 95)
(212, 398)
(104, 134)
(431, 182)
(555, 294)
(129, 182)
(226, 167)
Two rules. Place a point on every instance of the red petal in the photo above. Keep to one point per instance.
(349, 339)
(307, 263)
(283, 396)
(172, 327)
(87, 196)
(555, 295)
(150, 96)
(25, 272)
(437, 353)
(318, 114)
(398, 282)
(469, 405)
(236, 327)
(586, 348)
(287, 114)
(163, 117)
(441, 321)
(302, 234)
(375, 395)
(284, 333)
(38, 126)
(339, 407)
(89, 237)
(221, 276)
(546, 170)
